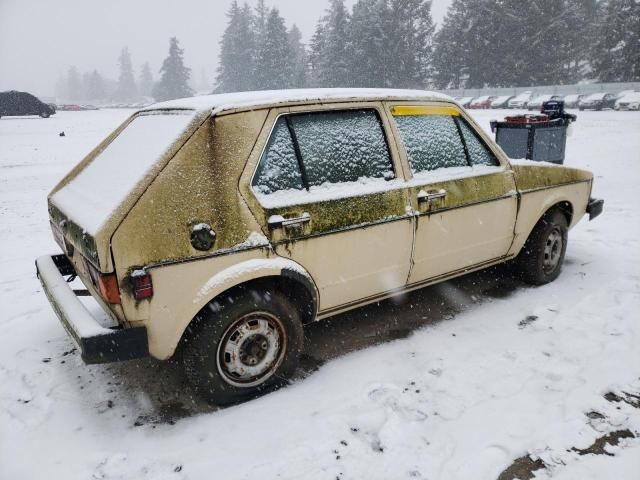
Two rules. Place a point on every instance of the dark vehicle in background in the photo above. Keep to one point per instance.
(571, 100)
(598, 101)
(501, 102)
(536, 103)
(17, 104)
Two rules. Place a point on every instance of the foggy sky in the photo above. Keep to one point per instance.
(41, 39)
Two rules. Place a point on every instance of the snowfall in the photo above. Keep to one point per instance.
(477, 378)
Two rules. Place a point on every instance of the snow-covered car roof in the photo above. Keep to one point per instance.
(630, 97)
(596, 96)
(246, 100)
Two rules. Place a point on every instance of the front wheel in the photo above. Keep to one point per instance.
(45, 115)
(242, 346)
(542, 256)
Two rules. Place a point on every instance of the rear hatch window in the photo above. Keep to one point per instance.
(103, 185)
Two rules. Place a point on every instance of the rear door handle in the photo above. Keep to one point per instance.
(278, 221)
(432, 195)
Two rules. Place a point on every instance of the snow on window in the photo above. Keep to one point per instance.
(479, 154)
(279, 168)
(336, 148)
(342, 146)
(431, 142)
(101, 187)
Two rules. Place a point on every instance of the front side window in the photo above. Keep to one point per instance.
(431, 138)
(311, 151)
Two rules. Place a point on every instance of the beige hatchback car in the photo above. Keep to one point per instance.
(212, 229)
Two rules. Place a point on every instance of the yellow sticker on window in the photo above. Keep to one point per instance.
(409, 110)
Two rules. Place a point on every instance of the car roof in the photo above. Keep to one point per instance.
(249, 100)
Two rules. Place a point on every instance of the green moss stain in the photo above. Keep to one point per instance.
(531, 177)
(199, 185)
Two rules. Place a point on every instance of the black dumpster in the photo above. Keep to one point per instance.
(541, 137)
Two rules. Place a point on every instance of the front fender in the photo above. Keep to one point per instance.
(179, 302)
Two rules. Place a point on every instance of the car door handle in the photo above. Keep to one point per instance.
(278, 221)
(431, 195)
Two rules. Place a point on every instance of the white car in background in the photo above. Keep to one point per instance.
(624, 93)
(502, 101)
(465, 101)
(521, 100)
(629, 101)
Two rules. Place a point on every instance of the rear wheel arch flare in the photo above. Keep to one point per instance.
(292, 284)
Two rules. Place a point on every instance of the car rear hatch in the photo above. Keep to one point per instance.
(87, 206)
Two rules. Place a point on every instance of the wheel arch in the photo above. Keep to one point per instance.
(281, 274)
(529, 217)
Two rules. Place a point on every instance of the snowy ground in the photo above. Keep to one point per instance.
(454, 382)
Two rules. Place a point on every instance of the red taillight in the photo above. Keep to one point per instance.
(142, 285)
(107, 284)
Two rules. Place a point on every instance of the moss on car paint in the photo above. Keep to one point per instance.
(334, 215)
(198, 185)
(532, 177)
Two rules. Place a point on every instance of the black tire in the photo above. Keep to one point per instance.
(541, 258)
(44, 115)
(263, 331)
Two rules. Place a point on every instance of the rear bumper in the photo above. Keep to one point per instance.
(595, 207)
(96, 343)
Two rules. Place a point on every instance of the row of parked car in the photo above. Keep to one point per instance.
(627, 100)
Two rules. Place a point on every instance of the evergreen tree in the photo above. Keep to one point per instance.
(259, 21)
(74, 84)
(273, 67)
(617, 50)
(146, 80)
(86, 93)
(503, 43)
(97, 87)
(61, 88)
(390, 43)
(237, 56)
(316, 47)
(298, 59)
(368, 44)
(409, 43)
(174, 76)
(331, 52)
(127, 89)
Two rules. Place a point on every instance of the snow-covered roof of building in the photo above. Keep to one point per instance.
(244, 100)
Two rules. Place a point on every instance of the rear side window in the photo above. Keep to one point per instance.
(431, 141)
(278, 168)
(344, 146)
(479, 154)
(323, 148)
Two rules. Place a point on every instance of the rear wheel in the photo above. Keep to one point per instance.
(542, 256)
(242, 346)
